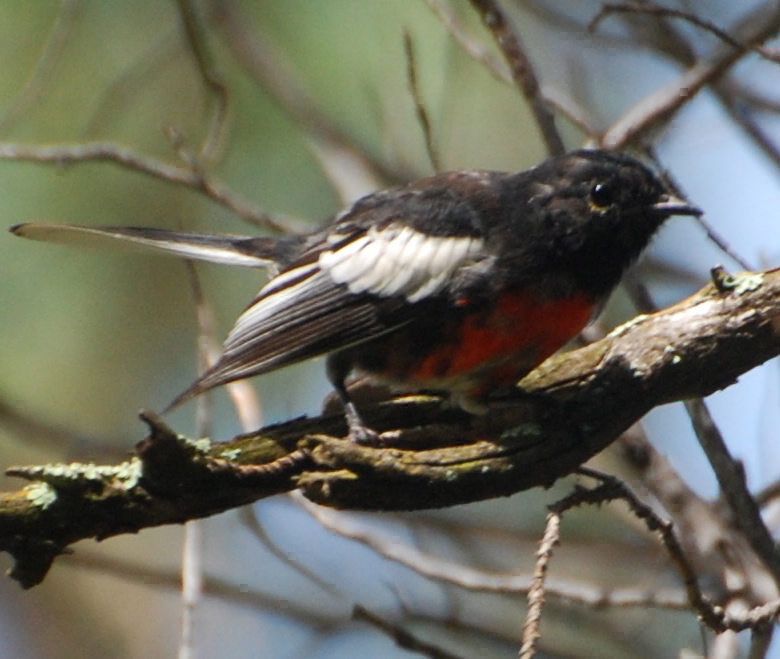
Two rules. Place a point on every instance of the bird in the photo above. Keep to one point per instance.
(461, 282)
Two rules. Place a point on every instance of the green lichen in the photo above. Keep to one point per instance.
(230, 455)
(202, 445)
(737, 284)
(747, 281)
(79, 474)
(129, 473)
(40, 494)
(521, 432)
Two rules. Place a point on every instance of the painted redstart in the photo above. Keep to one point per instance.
(462, 282)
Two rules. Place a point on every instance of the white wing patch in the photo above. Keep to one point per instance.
(398, 261)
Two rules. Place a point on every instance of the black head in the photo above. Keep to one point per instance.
(591, 213)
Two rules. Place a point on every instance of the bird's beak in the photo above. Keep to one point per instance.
(671, 205)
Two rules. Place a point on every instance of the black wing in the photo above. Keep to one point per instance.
(353, 281)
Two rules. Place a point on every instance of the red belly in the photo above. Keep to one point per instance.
(496, 348)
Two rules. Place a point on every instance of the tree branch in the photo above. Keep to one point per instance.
(432, 456)
(63, 155)
(523, 73)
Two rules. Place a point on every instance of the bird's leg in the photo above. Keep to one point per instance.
(338, 370)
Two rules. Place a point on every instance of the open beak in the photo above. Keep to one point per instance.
(671, 205)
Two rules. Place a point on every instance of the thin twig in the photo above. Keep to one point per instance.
(566, 106)
(419, 105)
(254, 50)
(468, 41)
(760, 641)
(213, 587)
(657, 108)
(536, 592)
(762, 138)
(731, 478)
(250, 520)
(708, 535)
(720, 242)
(191, 586)
(606, 10)
(768, 494)
(402, 637)
(192, 547)
(747, 95)
(714, 237)
(242, 393)
(433, 566)
(615, 489)
(218, 125)
(69, 154)
(713, 616)
(471, 45)
(522, 70)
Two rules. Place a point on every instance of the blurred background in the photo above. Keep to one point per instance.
(319, 111)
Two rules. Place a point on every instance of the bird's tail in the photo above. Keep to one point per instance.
(246, 251)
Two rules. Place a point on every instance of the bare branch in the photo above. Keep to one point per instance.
(729, 472)
(769, 54)
(522, 71)
(712, 235)
(268, 66)
(214, 587)
(249, 519)
(460, 34)
(533, 619)
(436, 456)
(419, 105)
(656, 109)
(768, 494)
(760, 640)
(662, 36)
(713, 616)
(468, 41)
(211, 78)
(731, 478)
(69, 154)
(710, 538)
(433, 566)
(403, 638)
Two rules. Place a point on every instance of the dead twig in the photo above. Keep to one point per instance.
(419, 105)
(63, 155)
(522, 70)
(608, 9)
(731, 478)
(656, 109)
(218, 125)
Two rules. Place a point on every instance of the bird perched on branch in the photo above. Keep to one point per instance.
(461, 282)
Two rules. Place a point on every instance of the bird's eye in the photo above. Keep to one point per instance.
(602, 195)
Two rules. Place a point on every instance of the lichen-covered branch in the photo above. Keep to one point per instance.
(432, 455)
